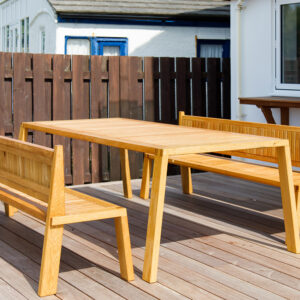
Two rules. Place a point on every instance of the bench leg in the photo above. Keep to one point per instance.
(50, 260)
(288, 199)
(297, 196)
(186, 180)
(124, 248)
(10, 210)
(145, 186)
(125, 169)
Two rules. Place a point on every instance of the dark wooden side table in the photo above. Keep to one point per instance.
(266, 103)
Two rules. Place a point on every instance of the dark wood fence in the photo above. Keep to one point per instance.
(35, 87)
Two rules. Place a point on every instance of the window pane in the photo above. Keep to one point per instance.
(111, 51)
(11, 41)
(27, 34)
(211, 50)
(78, 46)
(22, 35)
(290, 43)
(7, 38)
(3, 38)
(16, 39)
(43, 41)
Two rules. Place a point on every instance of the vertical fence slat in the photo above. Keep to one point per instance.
(150, 67)
(41, 103)
(167, 90)
(80, 110)
(183, 86)
(131, 101)
(99, 110)
(199, 87)
(62, 106)
(226, 88)
(214, 87)
(22, 92)
(114, 111)
(6, 125)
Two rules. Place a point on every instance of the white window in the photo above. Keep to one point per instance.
(80, 46)
(288, 45)
(25, 35)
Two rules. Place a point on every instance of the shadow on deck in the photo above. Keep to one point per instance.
(224, 241)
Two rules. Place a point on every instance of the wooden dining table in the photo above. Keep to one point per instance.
(163, 140)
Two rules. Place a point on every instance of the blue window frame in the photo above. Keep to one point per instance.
(101, 43)
(224, 43)
(98, 44)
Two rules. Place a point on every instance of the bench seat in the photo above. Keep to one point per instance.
(226, 166)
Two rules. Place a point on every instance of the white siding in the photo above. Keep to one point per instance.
(144, 40)
(41, 15)
(257, 60)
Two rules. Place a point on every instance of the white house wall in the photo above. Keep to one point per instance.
(144, 40)
(41, 16)
(257, 60)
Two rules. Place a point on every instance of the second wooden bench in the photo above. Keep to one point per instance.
(231, 167)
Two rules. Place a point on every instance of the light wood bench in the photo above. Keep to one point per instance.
(32, 180)
(226, 166)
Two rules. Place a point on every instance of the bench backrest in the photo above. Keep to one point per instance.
(291, 133)
(33, 170)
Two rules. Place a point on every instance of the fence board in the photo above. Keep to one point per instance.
(199, 87)
(6, 122)
(80, 110)
(62, 106)
(114, 170)
(183, 85)
(214, 87)
(131, 93)
(150, 67)
(22, 95)
(99, 110)
(226, 88)
(167, 89)
(41, 105)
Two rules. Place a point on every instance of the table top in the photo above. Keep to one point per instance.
(272, 101)
(149, 137)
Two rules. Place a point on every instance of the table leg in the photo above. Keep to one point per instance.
(125, 169)
(285, 116)
(145, 186)
(155, 217)
(288, 199)
(268, 114)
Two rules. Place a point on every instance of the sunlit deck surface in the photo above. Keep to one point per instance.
(224, 241)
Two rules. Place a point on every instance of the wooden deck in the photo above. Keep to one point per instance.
(224, 241)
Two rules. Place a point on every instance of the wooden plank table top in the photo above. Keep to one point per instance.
(144, 136)
(268, 102)
(163, 140)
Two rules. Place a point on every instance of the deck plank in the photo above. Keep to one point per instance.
(224, 241)
(9, 293)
